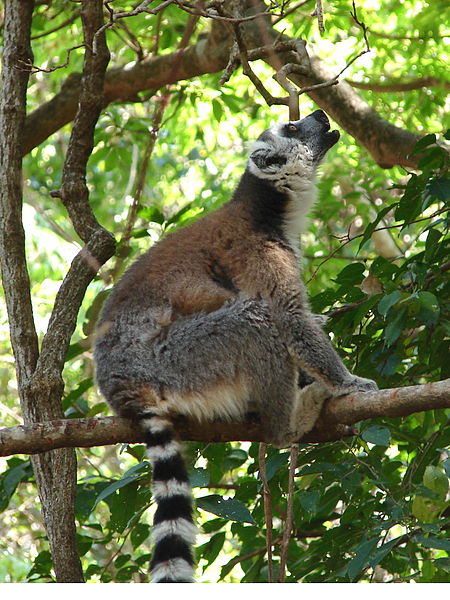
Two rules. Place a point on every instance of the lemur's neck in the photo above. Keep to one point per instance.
(279, 211)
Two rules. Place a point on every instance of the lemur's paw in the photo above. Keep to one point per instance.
(356, 384)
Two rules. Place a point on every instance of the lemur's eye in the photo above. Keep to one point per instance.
(292, 127)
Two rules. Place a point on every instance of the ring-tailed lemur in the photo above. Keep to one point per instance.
(215, 316)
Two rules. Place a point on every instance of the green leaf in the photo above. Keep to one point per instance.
(361, 558)
(126, 573)
(233, 103)
(310, 501)
(211, 549)
(139, 533)
(121, 560)
(383, 268)
(435, 479)
(275, 462)
(428, 301)
(82, 387)
(387, 302)
(377, 555)
(318, 467)
(424, 143)
(395, 325)
(377, 434)
(433, 542)
(74, 350)
(84, 501)
(122, 507)
(428, 308)
(446, 465)
(199, 477)
(432, 246)
(42, 565)
(234, 459)
(112, 488)
(443, 563)
(230, 509)
(440, 189)
(151, 214)
(372, 226)
(84, 544)
(19, 470)
(13, 477)
(351, 274)
(217, 109)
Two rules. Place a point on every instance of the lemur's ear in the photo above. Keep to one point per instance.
(267, 160)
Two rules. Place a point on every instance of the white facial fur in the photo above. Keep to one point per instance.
(297, 156)
(296, 176)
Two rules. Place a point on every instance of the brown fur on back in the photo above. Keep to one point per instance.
(200, 267)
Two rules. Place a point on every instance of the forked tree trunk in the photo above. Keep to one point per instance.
(55, 471)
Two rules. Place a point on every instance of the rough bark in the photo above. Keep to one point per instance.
(337, 415)
(55, 472)
(39, 375)
(59, 469)
(16, 282)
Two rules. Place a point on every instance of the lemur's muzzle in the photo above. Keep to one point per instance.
(314, 131)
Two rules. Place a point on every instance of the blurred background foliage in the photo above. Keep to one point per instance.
(373, 508)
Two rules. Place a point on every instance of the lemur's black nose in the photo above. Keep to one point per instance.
(320, 116)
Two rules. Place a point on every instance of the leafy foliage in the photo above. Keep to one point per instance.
(372, 508)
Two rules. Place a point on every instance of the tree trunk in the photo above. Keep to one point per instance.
(55, 471)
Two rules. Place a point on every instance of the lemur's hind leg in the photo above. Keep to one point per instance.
(307, 408)
(305, 405)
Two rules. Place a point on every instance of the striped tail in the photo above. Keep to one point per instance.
(173, 527)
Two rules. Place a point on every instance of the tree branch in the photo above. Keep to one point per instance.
(389, 145)
(56, 471)
(72, 433)
(16, 281)
(398, 85)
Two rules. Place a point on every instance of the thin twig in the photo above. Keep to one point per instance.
(130, 40)
(32, 69)
(349, 239)
(160, 108)
(398, 85)
(360, 24)
(319, 15)
(214, 13)
(99, 244)
(241, 55)
(267, 509)
(114, 17)
(289, 516)
(288, 12)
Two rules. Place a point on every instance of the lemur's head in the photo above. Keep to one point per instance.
(292, 150)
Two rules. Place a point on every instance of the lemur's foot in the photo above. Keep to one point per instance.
(356, 384)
